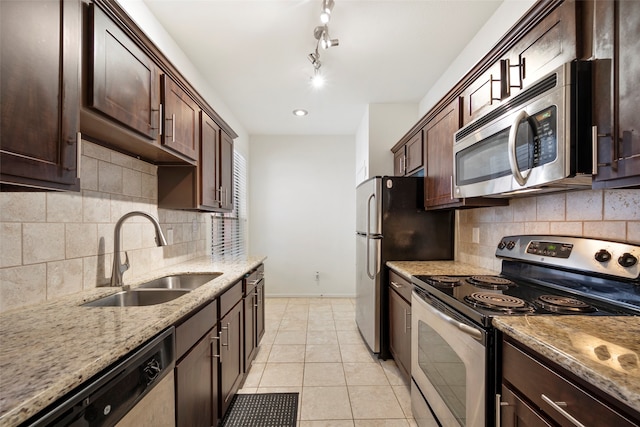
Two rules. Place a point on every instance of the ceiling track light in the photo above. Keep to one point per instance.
(325, 14)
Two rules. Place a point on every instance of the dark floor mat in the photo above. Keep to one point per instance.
(262, 410)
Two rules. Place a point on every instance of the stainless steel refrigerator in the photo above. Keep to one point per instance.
(392, 225)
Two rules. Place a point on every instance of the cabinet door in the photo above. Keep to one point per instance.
(482, 95)
(398, 162)
(515, 412)
(400, 331)
(181, 120)
(226, 172)
(231, 358)
(208, 163)
(415, 156)
(124, 80)
(439, 134)
(40, 112)
(617, 94)
(260, 313)
(549, 44)
(195, 388)
(250, 332)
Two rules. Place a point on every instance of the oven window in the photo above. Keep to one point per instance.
(444, 369)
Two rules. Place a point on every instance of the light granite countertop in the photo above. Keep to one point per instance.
(570, 341)
(47, 350)
(453, 268)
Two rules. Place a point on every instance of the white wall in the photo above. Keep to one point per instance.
(509, 12)
(303, 213)
(381, 127)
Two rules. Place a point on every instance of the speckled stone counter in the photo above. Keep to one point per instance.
(453, 268)
(570, 341)
(49, 349)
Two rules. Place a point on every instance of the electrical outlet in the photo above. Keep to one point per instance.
(316, 276)
(475, 235)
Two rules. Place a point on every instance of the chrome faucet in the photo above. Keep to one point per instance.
(118, 268)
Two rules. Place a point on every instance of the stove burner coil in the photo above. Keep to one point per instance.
(499, 302)
(491, 282)
(561, 304)
(444, 281)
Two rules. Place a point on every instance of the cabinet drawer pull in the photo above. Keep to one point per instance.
(558, 407)
(395, 285)
(78, 153)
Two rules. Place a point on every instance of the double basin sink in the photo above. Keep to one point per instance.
(157, 291)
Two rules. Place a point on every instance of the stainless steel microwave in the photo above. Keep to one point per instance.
(536, 141)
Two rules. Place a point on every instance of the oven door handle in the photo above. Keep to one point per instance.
(469, 330)
(513, 159)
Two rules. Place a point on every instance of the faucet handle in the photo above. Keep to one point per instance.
(125, 265)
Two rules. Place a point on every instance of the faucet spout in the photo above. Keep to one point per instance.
(118, 267)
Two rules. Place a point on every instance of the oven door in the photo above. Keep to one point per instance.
(448, 363)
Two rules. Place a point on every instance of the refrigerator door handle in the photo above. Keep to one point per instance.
(371, 276)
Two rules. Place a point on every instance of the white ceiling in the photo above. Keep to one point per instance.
(254, 55)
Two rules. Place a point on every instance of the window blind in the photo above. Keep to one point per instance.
(229, 230)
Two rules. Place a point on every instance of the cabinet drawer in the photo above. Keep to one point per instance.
(230, 298)
(401, 285)
(190, 331)
(535, 380)
(251, 281)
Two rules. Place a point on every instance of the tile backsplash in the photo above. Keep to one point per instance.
(58, 243)
(600, 214)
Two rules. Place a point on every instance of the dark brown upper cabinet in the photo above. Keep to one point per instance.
(617, 94)
(124, 80)
(226, 172)
(209, 164)
(181, 120)
(408, 159)
(40, 85)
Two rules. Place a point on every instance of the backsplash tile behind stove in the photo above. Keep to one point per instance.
(604, 214)
(58, 243)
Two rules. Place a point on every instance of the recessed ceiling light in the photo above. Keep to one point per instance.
(300, 112)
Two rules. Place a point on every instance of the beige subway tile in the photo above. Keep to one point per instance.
(131, 236)
(622, 205)
(131, 183)
(584, 205)
(64, 277)
(551, 207)
(20, 286)
(81, 240)
(23, 207)
(614, 230)
(540, 227)
(144, 167)
(105, 238)
(568, 228)
(96, 271)
(633, 232)
(504, 214)
(64, 207)
(121, 205)
(96, 207)
(89, 173)
(122, 160)
(96, 151)
(109, 178)
(42, 242)
(149, 187)
(524, 208)
(10, 244)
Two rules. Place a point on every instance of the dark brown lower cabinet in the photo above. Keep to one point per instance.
(260, 308)
(197, 384)
(250, 332)
(400, 322)
(231, 355)
(538, 393)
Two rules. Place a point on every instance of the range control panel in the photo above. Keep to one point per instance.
(575, 253)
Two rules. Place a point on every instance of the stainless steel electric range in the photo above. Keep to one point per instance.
(454, 361)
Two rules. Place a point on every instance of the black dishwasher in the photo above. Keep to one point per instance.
(108, 396)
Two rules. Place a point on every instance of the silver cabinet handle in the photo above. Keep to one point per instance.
(173, 128)
(213, 339)
(78, 153)
(513, 160)
(225, 328)
(395, 285)
(499, 405)
(594, 150)
(558, 407)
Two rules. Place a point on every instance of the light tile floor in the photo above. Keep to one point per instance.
(312, 346)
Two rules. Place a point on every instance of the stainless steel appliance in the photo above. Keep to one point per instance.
(538, 140)
(454, 349)
(110, 395)
(391, 224)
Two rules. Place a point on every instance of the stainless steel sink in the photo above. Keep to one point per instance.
(180, 281)
(138, 297)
